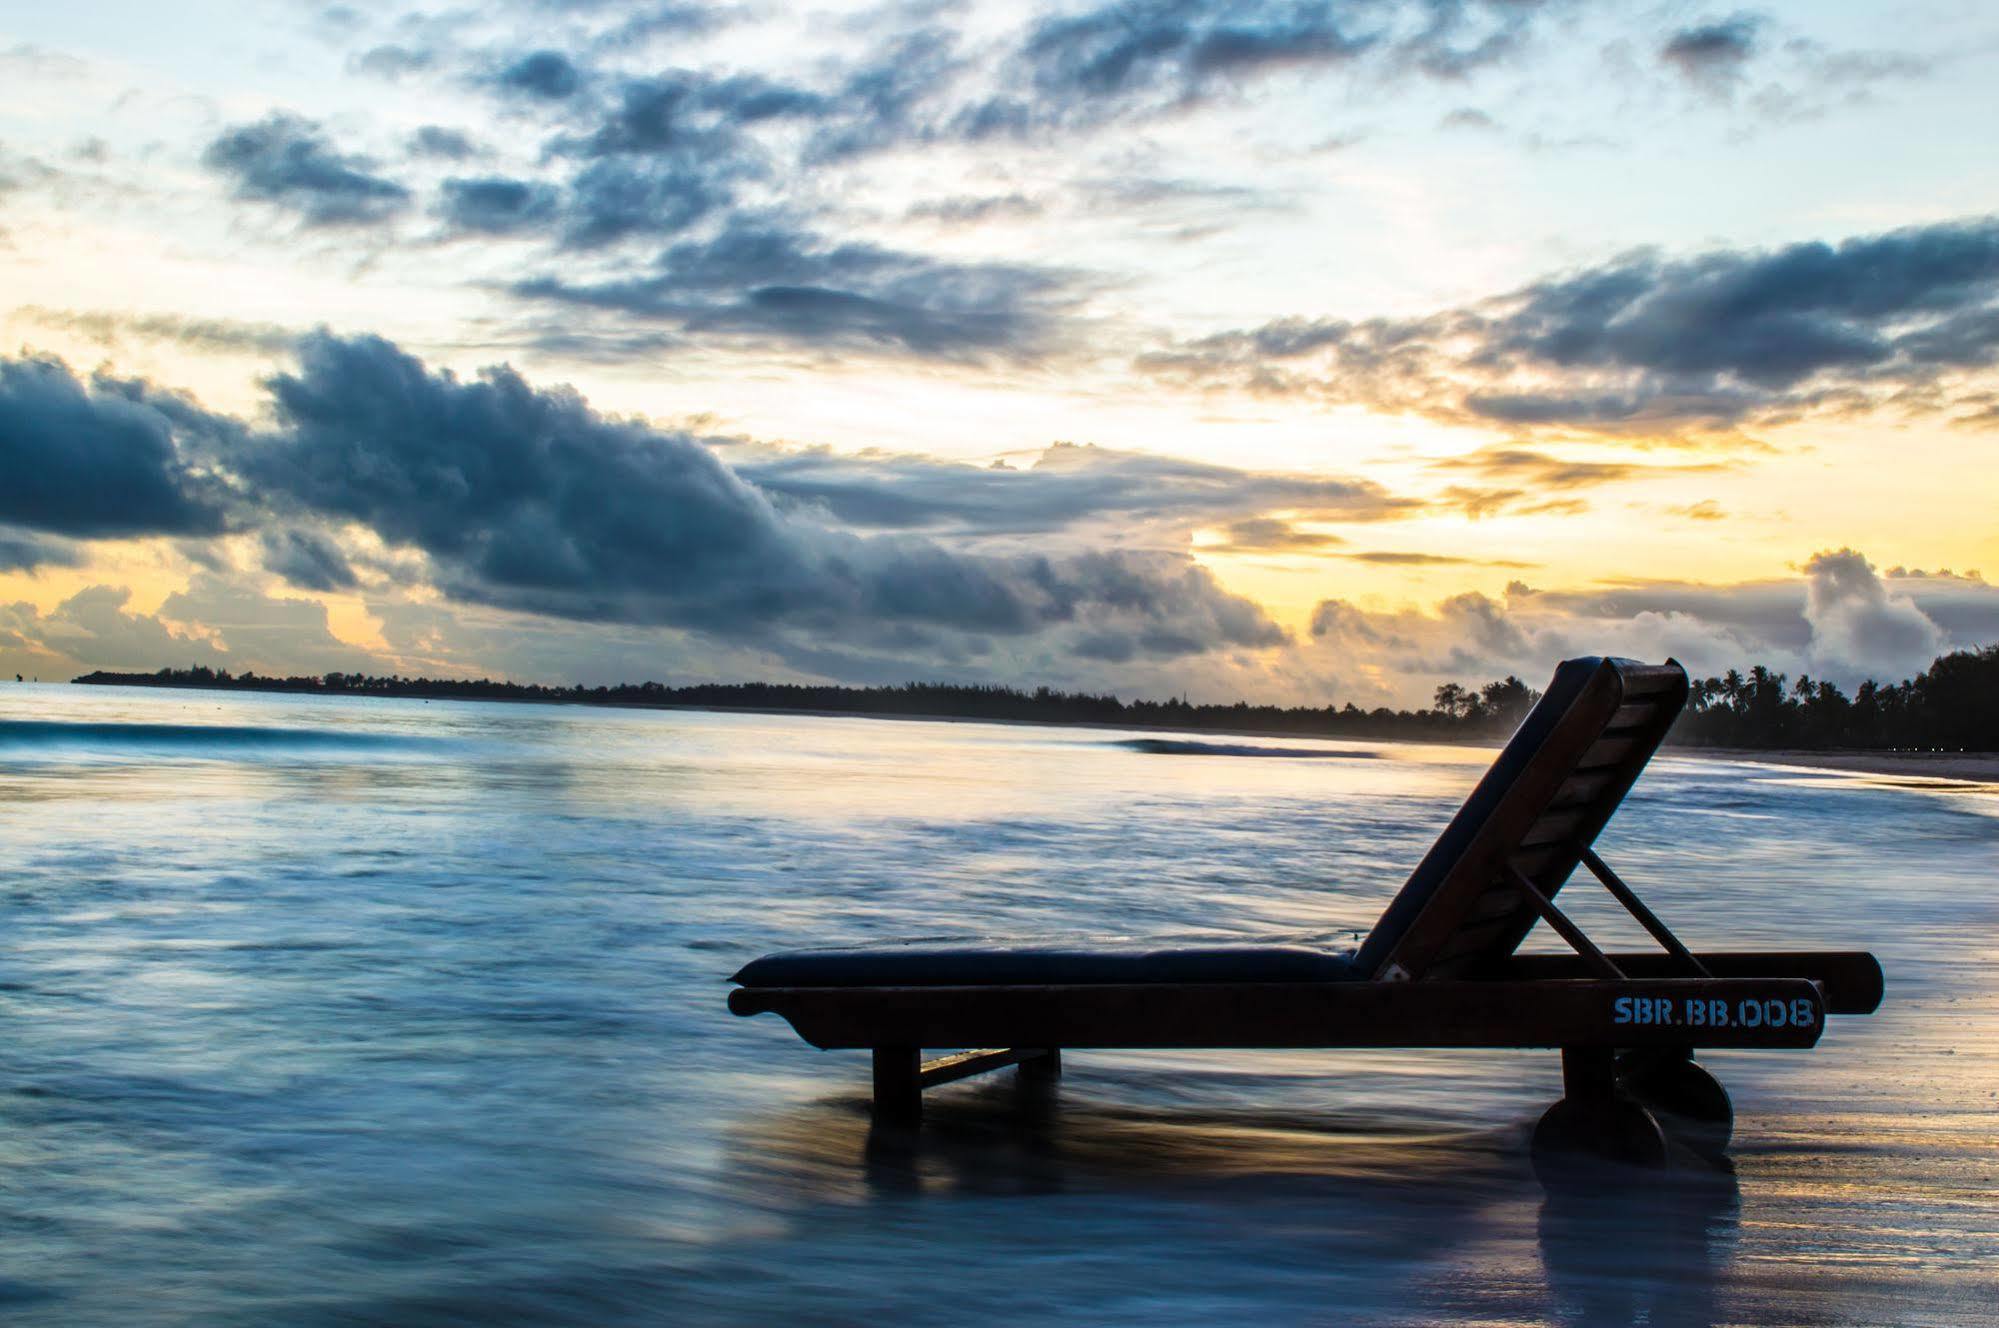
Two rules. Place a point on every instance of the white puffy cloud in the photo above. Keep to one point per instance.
(1839, 621)
(1859, 626)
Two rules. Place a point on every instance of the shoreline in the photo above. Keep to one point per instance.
(1968, 768)
(1972, 769)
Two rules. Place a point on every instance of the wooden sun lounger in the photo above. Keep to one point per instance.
(1438, 970)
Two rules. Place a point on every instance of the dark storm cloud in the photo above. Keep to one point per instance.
(23, 552)
(1120, 60)
(764, 278)
(495, 205)
(927, 78)
(1648, 343)
(307, 559)
(531, 500)
(288, 162)
(687, 111)
(105, 458)
(549, 75)
(611, 200)
(652, 156)
(1716, 49)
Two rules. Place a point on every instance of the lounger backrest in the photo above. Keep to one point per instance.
(1547, 796)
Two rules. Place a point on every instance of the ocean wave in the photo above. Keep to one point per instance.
(1188, 747)
(30, 736)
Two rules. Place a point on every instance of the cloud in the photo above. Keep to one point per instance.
(685, 111)
(307, 559)
(530, 500)
(1263, 534)
(23, 552)
(468, 513)
(106, 458)
(286, 161)
(1541, 472)
(1859, 626)
(392, 62)
(762, 278)
(93, 629)
(1469, 118)
(1644, 344)
(1838, 620)
(1403, 558)
(494, 205)
(1707, 509)
(270, 633)
(217, 336)
(613, 200)
(1715, 51)
(975, 210)
(217, 620)
(1119, 61)
(442, 143)
(548, 75)
(1068, 486)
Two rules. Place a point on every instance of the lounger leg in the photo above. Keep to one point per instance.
(1588, 1072)
(1670, 1081)
(1042, 1069)
(1594, 1119)
(898, 1087)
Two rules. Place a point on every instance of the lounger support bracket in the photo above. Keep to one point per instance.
(1599, 963)
(901, 1074)
(1647, 919)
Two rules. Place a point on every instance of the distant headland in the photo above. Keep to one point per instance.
(1952, 706)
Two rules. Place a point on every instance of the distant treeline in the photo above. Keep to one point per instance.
(1953, 705)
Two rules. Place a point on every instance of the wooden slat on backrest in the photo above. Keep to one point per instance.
(1547, 796)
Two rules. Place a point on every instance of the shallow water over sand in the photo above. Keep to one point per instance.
(352, 1012)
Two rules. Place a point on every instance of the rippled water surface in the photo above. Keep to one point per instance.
(384, 1012)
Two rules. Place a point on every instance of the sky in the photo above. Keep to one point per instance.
(1297, 352)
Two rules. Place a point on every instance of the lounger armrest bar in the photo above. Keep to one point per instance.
(1661, 1012)
(1851, 978)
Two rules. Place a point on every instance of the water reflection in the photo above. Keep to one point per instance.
(1453, 1222)
(1650, 1249)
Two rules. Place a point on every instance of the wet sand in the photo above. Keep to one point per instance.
(1966, 767)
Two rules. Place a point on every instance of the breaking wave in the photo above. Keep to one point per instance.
(1188, 747)
(221, 741)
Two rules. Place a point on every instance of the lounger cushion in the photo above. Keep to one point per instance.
(1008, 963)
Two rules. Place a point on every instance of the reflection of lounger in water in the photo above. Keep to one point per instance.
(1438, 970)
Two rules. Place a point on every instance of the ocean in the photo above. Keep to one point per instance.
(346, 1011)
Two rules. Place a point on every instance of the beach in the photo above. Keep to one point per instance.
(1958, 767)
(341, 1011)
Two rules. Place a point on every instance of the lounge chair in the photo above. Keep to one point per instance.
(1438, 970)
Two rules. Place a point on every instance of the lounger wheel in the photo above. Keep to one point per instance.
(1607, 1129)
(1686, 1093)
